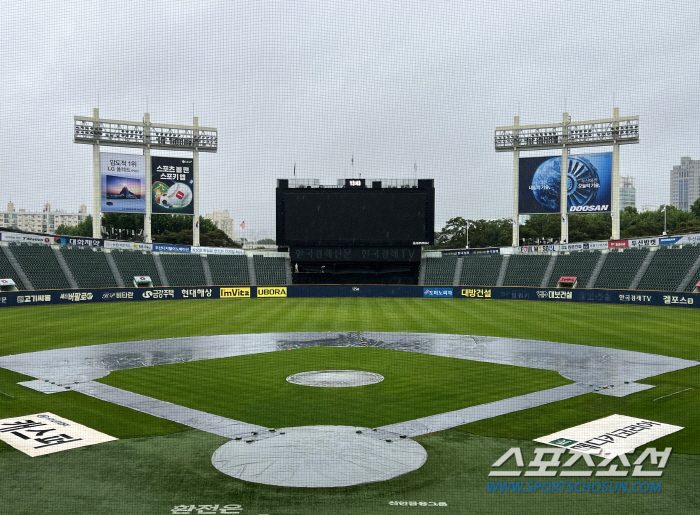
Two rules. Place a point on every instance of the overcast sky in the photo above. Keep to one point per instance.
(315, 83)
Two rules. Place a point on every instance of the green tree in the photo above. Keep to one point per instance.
(83, 229)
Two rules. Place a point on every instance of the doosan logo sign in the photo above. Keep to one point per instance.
(587, 209)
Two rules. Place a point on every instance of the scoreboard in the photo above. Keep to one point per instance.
(356, 215)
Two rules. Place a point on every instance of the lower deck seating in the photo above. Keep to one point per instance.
(132, 263)
(440, 271)
(40, 265)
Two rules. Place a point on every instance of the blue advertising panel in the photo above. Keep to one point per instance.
(167, 247)
(123, 183)
(589, 184)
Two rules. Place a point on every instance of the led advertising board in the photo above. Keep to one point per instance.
(589, 184)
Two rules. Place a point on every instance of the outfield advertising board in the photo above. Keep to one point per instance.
(646, 298)
(123, 183)
(588, 189)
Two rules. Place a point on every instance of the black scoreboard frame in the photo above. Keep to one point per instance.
(356, 193)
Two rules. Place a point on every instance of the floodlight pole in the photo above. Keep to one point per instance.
(564, 182)
(96, 181)
(516, 186)
(563, 136)
(96, 131)
(147, 237)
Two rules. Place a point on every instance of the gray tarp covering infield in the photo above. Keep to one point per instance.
(597, 369)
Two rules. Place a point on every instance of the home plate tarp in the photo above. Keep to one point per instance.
(613, 435)
(46, 433)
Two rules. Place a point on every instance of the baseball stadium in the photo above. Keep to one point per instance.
(363, 357)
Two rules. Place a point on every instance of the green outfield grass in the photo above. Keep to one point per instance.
(157, 464)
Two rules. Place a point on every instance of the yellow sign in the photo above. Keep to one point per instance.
(272, 292)
(231, 293)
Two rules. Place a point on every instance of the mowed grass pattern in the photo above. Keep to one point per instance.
(667, 331)
(254, 389)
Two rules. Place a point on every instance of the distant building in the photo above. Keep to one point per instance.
(628, 194)
(685, 183)
(223, 221)
(44, 222)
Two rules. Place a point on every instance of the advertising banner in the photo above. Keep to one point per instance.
(128, 245)
(438, 292)
(216, 250)
(172, 185)
(27, 238)
(77, 242)
(242, 292)
(589, 184)
(610, 435)
(271, 292)
(166, 247)
(123, 183)
(644, 242)
(46, 433)
(690, 239)
(471, 252)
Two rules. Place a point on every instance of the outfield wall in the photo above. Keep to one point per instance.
(241, 293)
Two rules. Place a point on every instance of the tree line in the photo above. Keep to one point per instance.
(542, 229)
(173, 229)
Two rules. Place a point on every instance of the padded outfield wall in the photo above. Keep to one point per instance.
(233, 293)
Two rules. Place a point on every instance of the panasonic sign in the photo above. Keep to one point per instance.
(589, 209)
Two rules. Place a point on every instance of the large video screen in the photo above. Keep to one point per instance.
(347, 216)
(588, 184)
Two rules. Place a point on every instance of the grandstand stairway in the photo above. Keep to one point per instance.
(115, 271)
(64, 266)
(596, 270)
(458, 272)
(12, 270)
(548, 271)
(692, 277)
(642, 269)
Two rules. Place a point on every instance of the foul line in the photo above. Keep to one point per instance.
(674, 393)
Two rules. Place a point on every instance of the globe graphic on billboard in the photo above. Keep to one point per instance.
(582, 183)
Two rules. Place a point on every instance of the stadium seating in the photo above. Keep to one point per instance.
(40, 265)
(480, 270)
(576, 264)
(131, 263)
(7, 272)
(668, 268)
(183, 269)
(89, 267)
(620, 268)
(227, 270)
(269, 270)
(526, 270)
(440, 271)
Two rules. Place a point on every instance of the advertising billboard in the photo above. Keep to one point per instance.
(589, 184)
(172, 185)
(123, 183)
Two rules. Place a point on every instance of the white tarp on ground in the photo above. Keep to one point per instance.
(609, 435)
(46, 433)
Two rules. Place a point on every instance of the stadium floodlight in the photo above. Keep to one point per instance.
(145, 135)
(615, 131)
